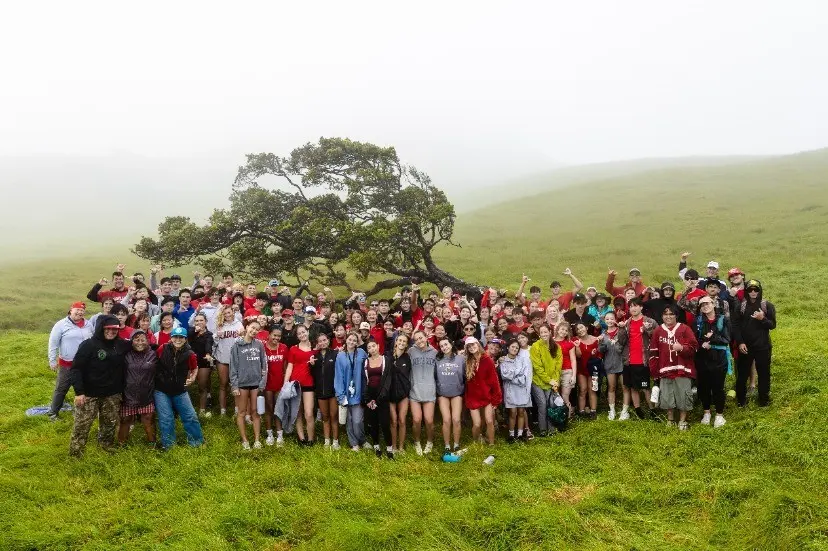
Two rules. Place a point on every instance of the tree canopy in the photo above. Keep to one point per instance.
(337, 206)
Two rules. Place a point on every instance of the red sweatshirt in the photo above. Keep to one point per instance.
(614, 291)
(484, 388)
(666, 362)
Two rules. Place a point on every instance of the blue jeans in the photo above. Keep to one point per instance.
(166, 406)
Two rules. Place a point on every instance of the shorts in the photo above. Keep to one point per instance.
(676, 393)
(567, 380)
(254, 387)
(127, 411)
(637, 377)
(308, 389)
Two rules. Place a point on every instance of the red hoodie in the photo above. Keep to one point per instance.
(666, 362)
(484, 388)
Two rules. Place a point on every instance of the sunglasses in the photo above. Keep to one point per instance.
(468, 329)
(375, 304)
(705, 304)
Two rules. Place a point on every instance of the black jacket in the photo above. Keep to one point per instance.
(202, 345)
(99, 364)
(139, 381)
(323, 371)
(383, 393)
(401, 381)
(752, 332)
(172, 369)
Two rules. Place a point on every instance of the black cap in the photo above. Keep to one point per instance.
(691, 274)
(753, 284)
(711, 281)
(579, 297)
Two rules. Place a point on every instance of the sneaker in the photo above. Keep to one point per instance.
(389, 455)
(246, 446)
(509, 440)
(367, 446)
(418, 448)
(528, 435)
(201, 413)
(671, 423)
(719, 421)
(208, 414)
(53, 417)
(378, 452)
(269, 440)
(280, 441)
(593, 415)
(355, 448)
(525, 437)
(611, 415)
(683, 425)
(428, 447)
(223, 412)
(327, 444)
(639, 412)
(706, 419)
(625, 415)
(335, 445)
(257, 445)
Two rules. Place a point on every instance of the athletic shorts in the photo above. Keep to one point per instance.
(308, 389)
(568, 379)
(637, 377)
(254, 387)
(676, 393)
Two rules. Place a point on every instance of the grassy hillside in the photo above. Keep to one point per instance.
(757, 483)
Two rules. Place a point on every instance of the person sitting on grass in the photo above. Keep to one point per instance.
(97, 375)
(671, 351)
(176, 369)
(139, 386)
(248, 374)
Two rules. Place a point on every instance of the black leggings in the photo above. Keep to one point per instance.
(711, 370)
(743, 365)
(379, 418)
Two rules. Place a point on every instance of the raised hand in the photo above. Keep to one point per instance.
(567, 272)
(120, 267)
(684, 256)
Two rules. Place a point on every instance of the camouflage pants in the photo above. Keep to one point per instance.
(107, 410)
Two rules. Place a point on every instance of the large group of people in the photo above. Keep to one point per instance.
(286, 360)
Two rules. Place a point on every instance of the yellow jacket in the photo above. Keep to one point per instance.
(545, 366)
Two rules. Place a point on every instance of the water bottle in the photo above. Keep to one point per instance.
(260, 405)
(489, 460)
(595, 383)
(654, 394)
(451, 458)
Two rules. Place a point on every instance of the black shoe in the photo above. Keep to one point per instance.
(510, 439)
(389, 455)
(379, 453)
(582, 414)
(639, 413)
(593, 415)
(542, 433)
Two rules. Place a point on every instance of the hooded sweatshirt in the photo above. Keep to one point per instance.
(423, 367)
(517, 380)
(451, 376)
(483, 388)
(98, 366)
(64, 340)
(348, 377)
(139, 376)
(753, 333)
(545, 366)
(248, 364)
(666, 362)
(655, 307)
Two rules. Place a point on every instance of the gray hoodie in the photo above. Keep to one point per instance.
(451, 376)
(517, 380)
(248, 364)
(423, 366)
(613, 351)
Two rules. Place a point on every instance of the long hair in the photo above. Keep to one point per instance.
(220, 315)
(440, 354)
(472, 362)
(553, 346)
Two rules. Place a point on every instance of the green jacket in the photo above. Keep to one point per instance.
(545, 366)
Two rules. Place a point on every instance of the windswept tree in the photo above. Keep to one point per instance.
(329, 208)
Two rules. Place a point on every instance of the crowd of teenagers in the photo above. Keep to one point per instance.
(287, 360)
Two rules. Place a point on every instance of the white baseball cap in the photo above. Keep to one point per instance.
(713, 264)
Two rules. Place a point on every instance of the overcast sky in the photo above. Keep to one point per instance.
(457, 87)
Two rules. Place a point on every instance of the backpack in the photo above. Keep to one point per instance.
(558, 414)
(763, 305)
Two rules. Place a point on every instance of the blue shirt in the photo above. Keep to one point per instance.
(183, 316)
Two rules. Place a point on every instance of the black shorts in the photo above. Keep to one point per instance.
(254, 387)
(637, 377)
(308, 389)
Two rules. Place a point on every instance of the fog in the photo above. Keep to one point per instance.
(105, 101)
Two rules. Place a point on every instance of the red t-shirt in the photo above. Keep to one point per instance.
(248, 303)
(301, 369)
(565, 299)
(276, 366)
(126, 332)
(251, 313)
(566, 346)
(263, 335)
(635, 330)
(162, 338)
(337, 344)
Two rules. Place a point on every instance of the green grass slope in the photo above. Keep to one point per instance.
(757, 483)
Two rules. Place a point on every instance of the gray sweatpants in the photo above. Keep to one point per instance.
(62, 385)
(354, 426)
(540, 398)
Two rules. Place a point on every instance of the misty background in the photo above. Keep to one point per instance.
(116, 115)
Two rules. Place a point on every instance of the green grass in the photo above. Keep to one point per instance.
(757, 483)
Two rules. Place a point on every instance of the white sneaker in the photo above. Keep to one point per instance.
(257, 445)
(202, 413)
(611, 415)
(208, 414)
(335, 445)
(354, 448)
(428, 447)
(269, 440)
(367, 446)
(418, 448)
(223, 412)
(706, 419)
(280, 441)
(246, 446)
(327, 444)
(719, 421)
(625, 415)
(683, 425)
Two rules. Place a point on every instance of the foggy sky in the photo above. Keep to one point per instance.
(461, 89)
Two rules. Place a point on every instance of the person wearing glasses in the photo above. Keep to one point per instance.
(753, 320)
(672, 349)
(713, 334)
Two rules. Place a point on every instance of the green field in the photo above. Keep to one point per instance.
(757, 483)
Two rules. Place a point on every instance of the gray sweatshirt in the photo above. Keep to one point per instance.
(517, 380)
(423, 366)
(451, 376)
(613, 351)
(248, 364)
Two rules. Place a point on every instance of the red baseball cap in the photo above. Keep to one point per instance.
(734, 271)
(79, 304)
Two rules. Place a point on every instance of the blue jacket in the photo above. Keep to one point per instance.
(183, 316)
(348, 377)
